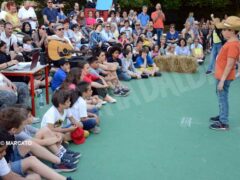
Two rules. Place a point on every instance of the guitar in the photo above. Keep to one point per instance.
(59, 49)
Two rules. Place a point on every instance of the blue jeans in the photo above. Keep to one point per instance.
(124, 76)
(215, 50)
(223, 101)
(159, 34)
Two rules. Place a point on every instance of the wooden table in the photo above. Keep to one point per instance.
(30, 74)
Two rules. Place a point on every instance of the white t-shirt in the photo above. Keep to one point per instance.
(79, 109)
(128, 31)
(4, 168)
(27, 47)
(3, 15)
(13, 39)
(53, 116)
(24, 13)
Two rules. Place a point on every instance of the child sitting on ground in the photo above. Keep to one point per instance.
(13, 120)
(79, 109)
(45, 137)
(127, 65)
(5, 171)
(155, 51)
(56, 118)
(61, 74)
(145, 64)
(98, 84)
(114, 53)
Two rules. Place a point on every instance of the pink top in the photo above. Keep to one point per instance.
(90, 21)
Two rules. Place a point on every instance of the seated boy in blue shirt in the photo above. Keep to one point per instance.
(61, 74)
(145, 64)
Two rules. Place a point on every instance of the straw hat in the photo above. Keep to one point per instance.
(232, 22)
(216, 21)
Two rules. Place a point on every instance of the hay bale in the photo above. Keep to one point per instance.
(180, 64)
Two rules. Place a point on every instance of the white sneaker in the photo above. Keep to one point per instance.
(112, 101)
(104, 102)
(237, 75)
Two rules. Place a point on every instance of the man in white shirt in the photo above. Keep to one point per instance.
(9, 38)
(126, 29)
(27, 14)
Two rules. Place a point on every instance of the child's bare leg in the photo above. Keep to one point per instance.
(33, 176)
(67, 137)
(33, 164)
(46, 133)
(38, 151)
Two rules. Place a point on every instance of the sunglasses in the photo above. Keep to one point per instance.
(107, 26)
(60, 29)
(50, 2)
(227, 30)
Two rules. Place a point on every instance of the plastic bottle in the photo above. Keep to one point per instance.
(41, 101)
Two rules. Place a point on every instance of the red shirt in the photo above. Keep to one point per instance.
(90, 78)
(158, 23)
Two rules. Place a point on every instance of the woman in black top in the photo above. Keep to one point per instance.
(40, 37)
(5, 60)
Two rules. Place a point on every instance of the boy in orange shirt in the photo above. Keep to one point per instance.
(225, 69)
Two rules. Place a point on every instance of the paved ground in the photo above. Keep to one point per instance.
(161, 132)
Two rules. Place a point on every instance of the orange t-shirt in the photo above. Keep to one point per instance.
(158, 24)
(229, 50)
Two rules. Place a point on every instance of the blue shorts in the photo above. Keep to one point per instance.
(16, 167)
(16, 161)
(94, 111)
(89, 124)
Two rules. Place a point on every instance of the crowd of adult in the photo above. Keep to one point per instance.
(109, 50)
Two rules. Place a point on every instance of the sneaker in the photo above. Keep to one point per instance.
(215, 119)
(73, 154)
(36, 120)
(125, 89)
(237, 75)
(144, 76)
(119, 92)
(112, 101)
(66, 158)
(65, 144)
(219, 126)
(157, 74)
(96, 130)
(64, 167)
(104, 102)
(208, 72)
